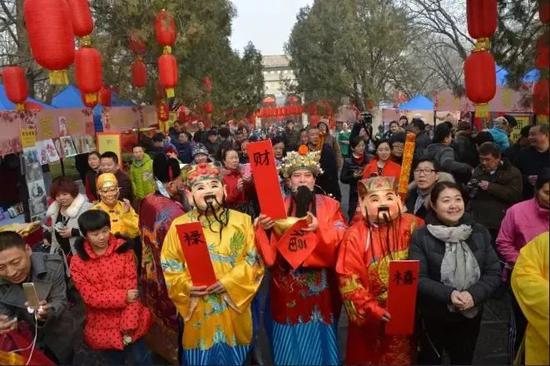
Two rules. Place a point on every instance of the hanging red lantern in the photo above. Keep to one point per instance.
(544, 11)
(207, 84)
(165, 29)
(15, 85)
(540, 98)
(168, 73)
(139, 74)
(208, 107)
(105, 96)
(88, 73)
(163, 111)
(51, 36)
(542, 60)
(481, 18)
(480, 80)
(137, 43)
(83, 24)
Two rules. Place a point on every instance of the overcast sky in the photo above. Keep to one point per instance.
(267, 23)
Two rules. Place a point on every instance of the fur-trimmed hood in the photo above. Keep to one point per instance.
(72, 211)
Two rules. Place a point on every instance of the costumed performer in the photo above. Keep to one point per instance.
(304, 299)
(530, 286)
(217, 319)
(124, 220)
(363, 269)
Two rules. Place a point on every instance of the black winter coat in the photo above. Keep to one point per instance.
(433, 296)
(505, 188)
(346, 177)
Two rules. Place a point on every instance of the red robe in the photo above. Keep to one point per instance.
(288, 302)
(362, 269)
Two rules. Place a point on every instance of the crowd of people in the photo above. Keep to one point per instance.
(115, 285)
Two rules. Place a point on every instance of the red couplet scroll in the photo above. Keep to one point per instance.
(401, 304)
(266, 179)
(195, 251)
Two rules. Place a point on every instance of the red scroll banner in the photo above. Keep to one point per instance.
(195, 251)
(266, 179)
(401, 304)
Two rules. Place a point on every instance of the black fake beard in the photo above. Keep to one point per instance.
(218, 212)
(303, 196)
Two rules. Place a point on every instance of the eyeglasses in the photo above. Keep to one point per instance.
(423, 171)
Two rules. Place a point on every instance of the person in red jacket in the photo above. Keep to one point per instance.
(382, 165)
(104, 273)
(238, 187)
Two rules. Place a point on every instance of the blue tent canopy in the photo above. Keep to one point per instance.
(530, 77)
(6, 104)
(418, 103)
(70, 97)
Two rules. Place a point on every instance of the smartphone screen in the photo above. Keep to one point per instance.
(31, 295)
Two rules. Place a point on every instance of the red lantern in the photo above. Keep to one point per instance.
(83, 24)
(207, 83)
(163, 111)
(481, 18)
(51, 36)
(16, 86)
(165, 29)
(88, 73)
(105, 96)
(542, 60)
(139, 74)
(540, 98)
(208, 107)
(137, 44)
(480, 80)
(480, 76)
(544, 11)
(168, 73)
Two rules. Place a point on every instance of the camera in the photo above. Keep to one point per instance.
(473, 187)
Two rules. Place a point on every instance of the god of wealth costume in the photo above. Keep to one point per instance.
(304, 300)
(123, 222)
(530, 286)
(363, 267)
(217, 327)
(156, 213)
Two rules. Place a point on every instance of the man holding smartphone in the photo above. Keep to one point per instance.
(18, 265)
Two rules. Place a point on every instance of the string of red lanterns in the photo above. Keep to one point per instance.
(479, 67)
(165, 32)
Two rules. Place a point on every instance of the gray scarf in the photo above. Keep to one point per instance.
(459, 268)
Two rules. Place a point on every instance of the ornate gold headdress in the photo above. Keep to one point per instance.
(375, 184)
(301, 160)
(202, 171)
